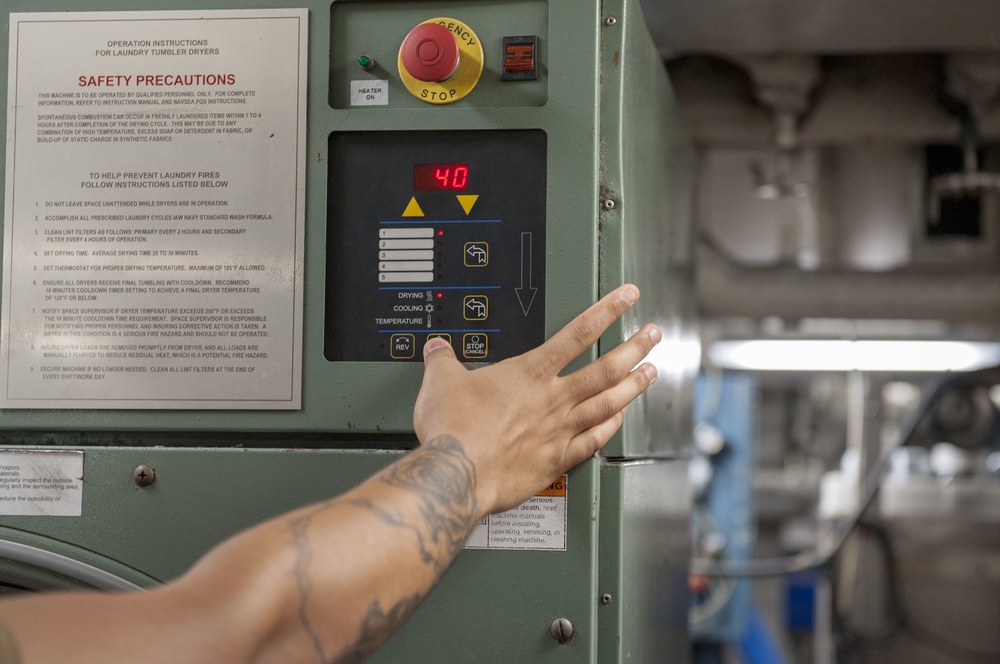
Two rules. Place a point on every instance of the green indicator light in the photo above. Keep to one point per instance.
(366, 62)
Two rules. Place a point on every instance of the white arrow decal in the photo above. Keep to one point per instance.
(525, 294)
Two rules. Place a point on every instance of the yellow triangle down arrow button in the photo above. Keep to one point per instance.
(413, 209)
(467, 201)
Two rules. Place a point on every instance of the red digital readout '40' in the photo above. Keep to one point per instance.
(440, 177)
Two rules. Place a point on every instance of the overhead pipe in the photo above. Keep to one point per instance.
(728, 289)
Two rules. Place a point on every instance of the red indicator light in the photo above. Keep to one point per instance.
(440, 177)
(440, 295)
(440, 233)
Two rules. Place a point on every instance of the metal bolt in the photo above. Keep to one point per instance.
(609, 204)
(143, 475)
(561, 630)
(611, 20)
(606, 599)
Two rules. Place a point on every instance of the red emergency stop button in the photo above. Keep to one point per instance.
(430, 52)
(441, 60)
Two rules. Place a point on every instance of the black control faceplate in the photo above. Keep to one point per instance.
(462, 256)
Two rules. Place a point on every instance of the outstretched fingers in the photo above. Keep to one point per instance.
(589, 442)
(604, 405)
(583, 331)
(613, 367)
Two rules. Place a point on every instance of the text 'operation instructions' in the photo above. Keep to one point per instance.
(154, 210)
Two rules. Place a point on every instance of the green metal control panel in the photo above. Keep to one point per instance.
(228, 231)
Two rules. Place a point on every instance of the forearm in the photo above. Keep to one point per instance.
(326, 583)
(356, 567)
(363, 562)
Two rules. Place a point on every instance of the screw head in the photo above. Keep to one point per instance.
(609, 204)
(561, 630)
(143, 475)
(611, 20)
(606, 599)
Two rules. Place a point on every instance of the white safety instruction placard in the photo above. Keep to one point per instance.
(41, 483)
(538, 524)
(154, 210)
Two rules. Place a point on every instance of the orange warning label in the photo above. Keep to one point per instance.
(557, 488)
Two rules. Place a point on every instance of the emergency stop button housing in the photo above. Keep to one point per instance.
(440, 60)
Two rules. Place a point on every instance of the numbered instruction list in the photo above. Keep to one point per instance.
(154, 209)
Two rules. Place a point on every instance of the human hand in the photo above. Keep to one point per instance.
(519, 422)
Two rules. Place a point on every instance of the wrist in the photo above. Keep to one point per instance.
(463, 470)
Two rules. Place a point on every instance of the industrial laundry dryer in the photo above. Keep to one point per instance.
(228, 231)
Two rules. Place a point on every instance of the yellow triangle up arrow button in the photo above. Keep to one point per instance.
(413, 209)
(467, 201)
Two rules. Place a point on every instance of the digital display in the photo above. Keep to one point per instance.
(440, 177)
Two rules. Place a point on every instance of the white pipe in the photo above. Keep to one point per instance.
(726, 289)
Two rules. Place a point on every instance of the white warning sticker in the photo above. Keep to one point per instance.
(537, 525)
(41, 483)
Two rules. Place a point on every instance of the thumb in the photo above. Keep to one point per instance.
(438, 357)
(436, 351)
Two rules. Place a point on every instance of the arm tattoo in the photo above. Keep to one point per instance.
(444, 483)
(303, 556)
(377, 627)
(442, 480)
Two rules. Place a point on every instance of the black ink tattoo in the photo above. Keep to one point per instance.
(303, 556)
(377, 626)
(443, 481)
